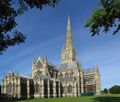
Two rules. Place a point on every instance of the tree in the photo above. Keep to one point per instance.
(105, 91)
(105, 17)
(115, 89)
(9, 10)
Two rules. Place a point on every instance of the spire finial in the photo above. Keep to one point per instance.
(68, 26)
(45, 58)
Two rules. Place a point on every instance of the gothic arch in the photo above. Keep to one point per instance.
(71, 74)
(9, 88)
(66, 74)
(69, 88)
(60, 75)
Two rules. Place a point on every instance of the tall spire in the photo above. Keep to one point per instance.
(69, 42)
(68, 52)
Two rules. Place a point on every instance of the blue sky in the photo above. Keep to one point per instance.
(46, 33)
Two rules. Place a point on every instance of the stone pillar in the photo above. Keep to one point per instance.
(75, 90)
(48, 87)
(78, 88)
(54, 88)
(42, 88)
(59, 93)
(14, 87)
(12, 93)
(19, 88)
(3, 91)
(97, 84)
(15, 90)
(4, 86)
(82, 82)
(28, 88)
(65, 89)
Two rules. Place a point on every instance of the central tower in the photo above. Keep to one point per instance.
(68, 51)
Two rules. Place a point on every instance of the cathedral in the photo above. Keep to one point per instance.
(48, 80)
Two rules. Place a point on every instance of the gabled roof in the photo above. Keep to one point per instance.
(66, 66)
(41, 76)
(66, 79)
(52, 67)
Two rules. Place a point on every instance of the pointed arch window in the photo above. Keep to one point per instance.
(69, 88)
(61, 75)
(71, 74)
(9, 88)
(66, 74)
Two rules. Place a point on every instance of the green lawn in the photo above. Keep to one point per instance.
(107, 98)
(66, 99)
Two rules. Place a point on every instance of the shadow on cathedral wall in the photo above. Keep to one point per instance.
(107, 99)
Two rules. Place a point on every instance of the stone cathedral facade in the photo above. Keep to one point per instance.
(49, 80)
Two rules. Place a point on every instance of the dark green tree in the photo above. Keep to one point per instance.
(105, 17)
(9, 10)
(105, 91)
(115, 89)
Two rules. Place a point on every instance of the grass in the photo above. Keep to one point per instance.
(65, 99)
(105, 98)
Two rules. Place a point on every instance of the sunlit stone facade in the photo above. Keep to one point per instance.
(48, 80)
(17, 86)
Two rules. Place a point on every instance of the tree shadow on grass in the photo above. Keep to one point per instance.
(107, 99)
(13, 100)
